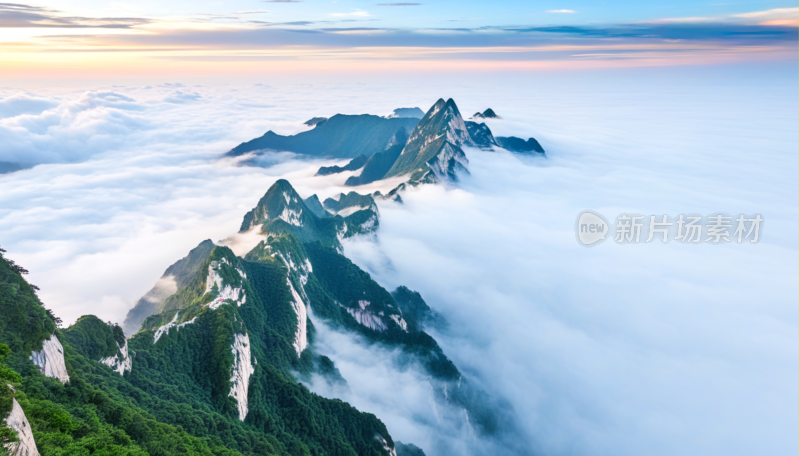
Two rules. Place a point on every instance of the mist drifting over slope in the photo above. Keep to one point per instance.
(641, 349)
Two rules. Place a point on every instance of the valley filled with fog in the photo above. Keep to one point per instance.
(656, 349)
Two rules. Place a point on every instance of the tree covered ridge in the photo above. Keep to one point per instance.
(168, 404)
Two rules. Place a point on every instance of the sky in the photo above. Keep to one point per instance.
(55, 43)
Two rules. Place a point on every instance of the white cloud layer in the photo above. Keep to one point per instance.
(629, 350)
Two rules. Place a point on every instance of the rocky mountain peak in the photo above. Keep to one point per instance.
(442, 129)
(280, 202)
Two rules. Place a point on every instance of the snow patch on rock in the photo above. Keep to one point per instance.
(120, 362)
(240, 372)
(17, 421)
(165, 329)
(50, 359)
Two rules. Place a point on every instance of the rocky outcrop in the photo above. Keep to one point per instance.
(165, 329)
(367, 318)
(488, 114)
(225, 291)
(448, 162)
(481, 134)
(353, 165)
(175, 277)
(314, 205)
(519, 145)
(121, 361)
(50, 359)
(17, 421)
(386, 446)
(301, 333)
(442, 130)
(240, 372)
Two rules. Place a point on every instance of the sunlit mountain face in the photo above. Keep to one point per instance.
(409, 228)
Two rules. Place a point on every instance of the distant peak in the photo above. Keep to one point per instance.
(407, 112)
(314, 121)
(488, 114)
(282, 184)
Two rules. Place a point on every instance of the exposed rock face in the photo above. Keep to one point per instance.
(280, 202)
(315, 206)
(300, 336)
(241, 371)
(366, 318)
(386, 446)
(121, 361)
(353, 165)
(175, 277)
(481, 134)
(165, 329)
(50, 359)
(302, 270)
(19, 422)
(448, 162)
(225, 291)
(400, 322)
(442, 130)
(350, 203)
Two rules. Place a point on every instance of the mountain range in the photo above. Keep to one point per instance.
(424, 147)
(215, 357)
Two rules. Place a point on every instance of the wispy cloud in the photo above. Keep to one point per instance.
(254, 12)
(566, 11)
(238, 36)
(780, 17)
(353, 14)
(13, 15)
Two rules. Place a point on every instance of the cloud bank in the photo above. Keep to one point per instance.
(642, 349)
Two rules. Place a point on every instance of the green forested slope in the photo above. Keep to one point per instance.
(175, 401)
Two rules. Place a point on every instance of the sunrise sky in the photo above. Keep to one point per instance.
(93, 39)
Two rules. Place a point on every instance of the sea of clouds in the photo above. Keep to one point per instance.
(655, 349)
